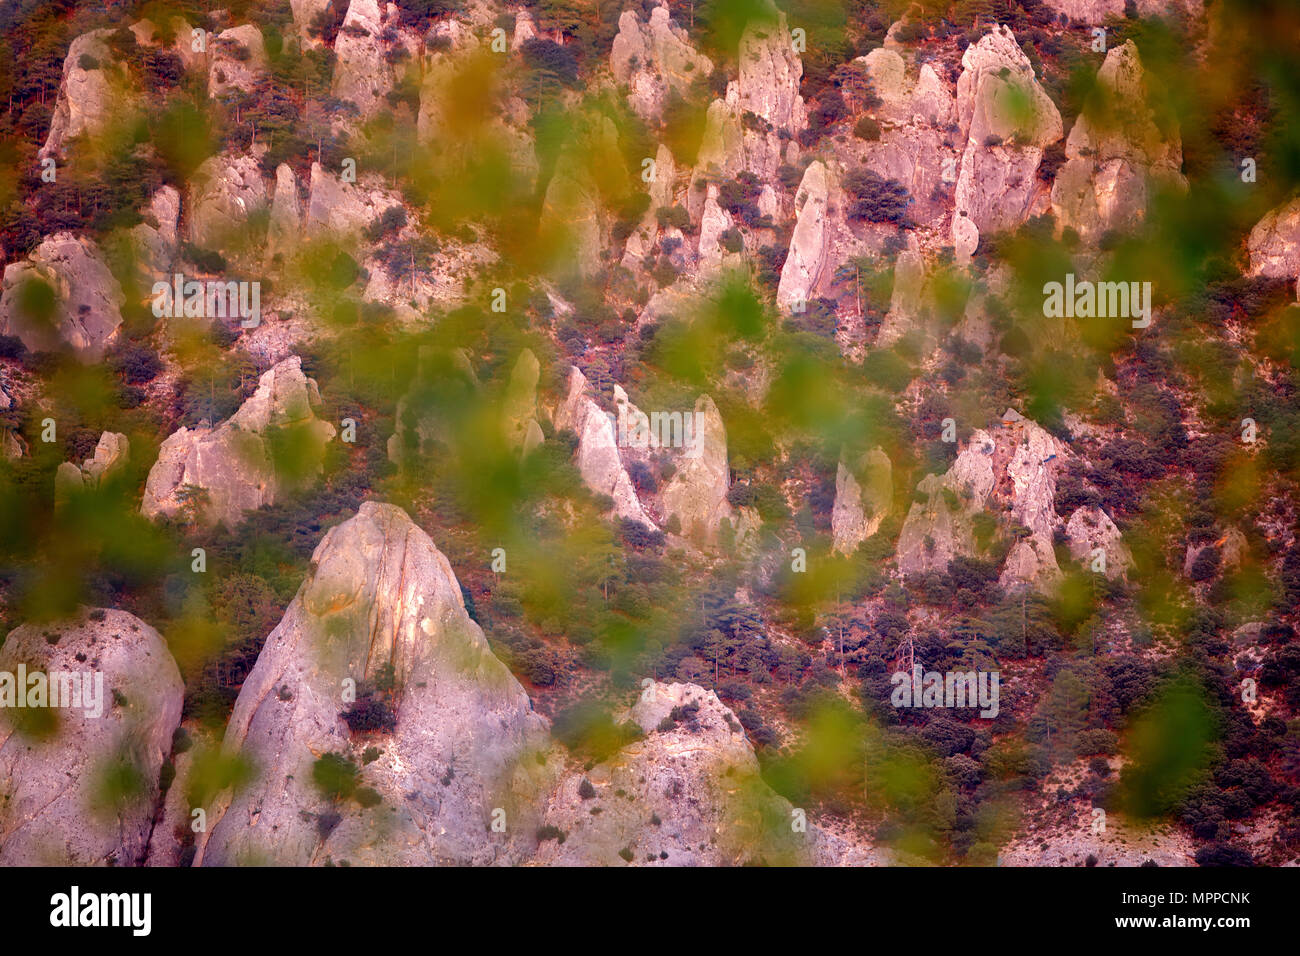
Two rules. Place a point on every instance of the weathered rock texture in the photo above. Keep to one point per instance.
(1090, 529)
(940, 528)
(226, 190)
(860, 507)
(361, 74)
(652, 58)
(238, 61)
(806, 264)
(238, 464)
(520, 411)
(76, 789)
(697, 493)
(111, 455)
(1274, 243)
(768, 89)
(687, 794)
(915, 147)
(1012, 466)
(1006, 120)
(465, 738)
(1117, 153)
(85, 309)
(598, 454)
(85, 103)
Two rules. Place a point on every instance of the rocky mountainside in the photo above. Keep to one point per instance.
(620, 432)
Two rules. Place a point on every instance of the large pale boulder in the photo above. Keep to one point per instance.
(767, 90)
(273, 443)
(907, 299)
(1096, 12)
(861, 506)
(112, 453)
(226, 190)
(62, 294)
(653, 57)
(688, 793)
(599, 460)
(520, 407)
(806, 264)
(573, 220)
(339, 208)
(361, 74)
(79, 784)
(238, 61)
(285, 227)
(1032, 474)
(1274, 243)
(940, 527)
(84, 106)
(1006, 119)
(157, 239)
(920, 101)
(382, 608)
(1117, 153)
(697, 493)
(714, 221)
(641, 241)
(1096, 542)
(305, 14)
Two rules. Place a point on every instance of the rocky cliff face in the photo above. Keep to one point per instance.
(806, 263)
(78, 784)
(85, 102)
(62, 295)
(687, 794)
(860, 507)
(598, 457)
(227, 190)
(382, 608)
(1117, 153)
(652, 58)
(273, 443)
(1006, 120)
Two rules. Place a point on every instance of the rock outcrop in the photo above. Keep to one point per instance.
(1274, 244)
(63, 294)
(520, 408)
(238, 61)
(79, 784)
(1095, 12)
(1117, 153)
(940, 527)
(599, 461)
(1091, 533)
(157, 240)
(1032, 476)
(573, 219)
(382, 607)
(226, 190)
(697, 493)
(688, 793)
(806, 264)
(285, 226)
(860, 507)
(361, 74)
(915, 144)
(85, 102)
(274, 442)
(641, 242)
(112, 453)
(1006, 120)
(652, 58)
(744, 130)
